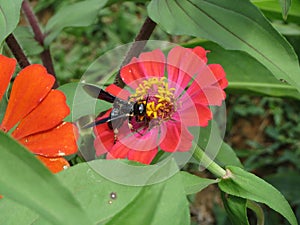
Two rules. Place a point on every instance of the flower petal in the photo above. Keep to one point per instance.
(55, 165)
(193, 115)
(211, 75)
(207, 96)
(131, 73)
(104, 140)
(47, 115)
(182, 66)
(211, 94)
(59, 141)
(219, 74)
(104, 144)
(145, 157)
(177, 138)
(118, 151)
(139, 141)
(153, 63)
(7, 68)
(117, 91)
(149, 64)
(30, 87)
(201, 53)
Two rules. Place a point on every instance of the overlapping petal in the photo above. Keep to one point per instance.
(30, 87)
(201, 53)
(139, 141)
(145, 157)
(118, 151)
(59, 141)
(208, 96)
(153, 63)
(104, 140)
(55, 165)
(47, 115)
(7, 68)
(117, 91)
(212, 92)
(177, 137)
(219, 74)
(194, 115)
(149, 64)
(39, 112)
(182, 66)
(131, 73)
(206, 77)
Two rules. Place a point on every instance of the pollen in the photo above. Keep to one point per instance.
(159, 97)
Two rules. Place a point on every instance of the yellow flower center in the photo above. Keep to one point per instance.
(158, 97)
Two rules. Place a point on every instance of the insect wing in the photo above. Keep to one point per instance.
(99, 93)
(121, 108)
(97, 122)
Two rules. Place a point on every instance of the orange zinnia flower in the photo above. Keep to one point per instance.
(35, 112)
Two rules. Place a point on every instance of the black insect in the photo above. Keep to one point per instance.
(121, 109)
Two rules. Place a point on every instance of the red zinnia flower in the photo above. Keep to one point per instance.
(37, 112)
(176, 91)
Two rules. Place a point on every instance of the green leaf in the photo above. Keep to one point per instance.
(144, 194)
(25, 180)
(246, 185)
(288, 29)
(9, 17)
(110, 2)
(285, 6)
(227, 156)
(273, 9)
(13, 213)
(235, 25)
(163, 203)
(193, 184)
(244, 73)
(78, 14)
(156, 197)
(288, 182)
(211, 142)
(236, 209)
(80, 103)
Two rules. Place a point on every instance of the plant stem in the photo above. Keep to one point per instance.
(17, 51)
(137, 47)
(39, 37)
(208, 163)
(32, 20)
(258, 211)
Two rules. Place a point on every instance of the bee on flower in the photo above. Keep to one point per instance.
(168, 94)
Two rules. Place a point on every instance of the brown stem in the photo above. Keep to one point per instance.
(137, 47)
(47, 62)
(17, 51)
(32, 20)
(39, 36)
